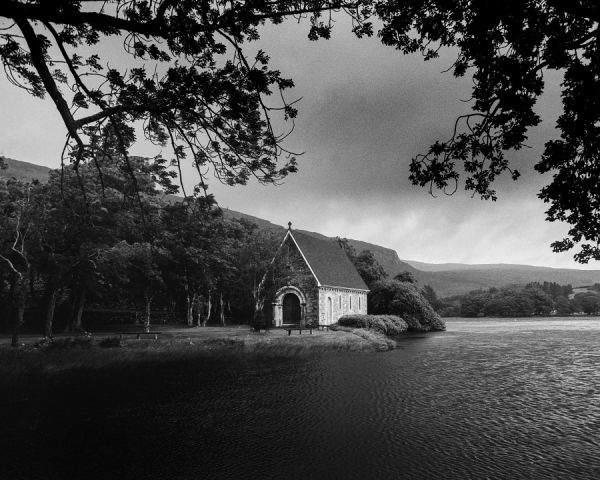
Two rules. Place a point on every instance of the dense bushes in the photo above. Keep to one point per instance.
(389, 325)
(405, 300)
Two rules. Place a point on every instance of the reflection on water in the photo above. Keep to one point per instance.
(486, 399)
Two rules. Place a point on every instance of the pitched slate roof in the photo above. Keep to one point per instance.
(328, 261)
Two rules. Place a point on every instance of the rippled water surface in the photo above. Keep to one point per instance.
(486, 399)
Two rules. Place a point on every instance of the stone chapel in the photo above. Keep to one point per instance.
(312, 282)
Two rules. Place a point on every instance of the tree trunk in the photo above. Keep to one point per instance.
(191, 300)
(222, 309)
(77, 324)
(209, 309)
(148, 302)
(52, 294)
(197, 306)
(189, 310)
(21, 300)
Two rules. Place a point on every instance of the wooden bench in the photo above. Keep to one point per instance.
(140, 334)
(289, 329)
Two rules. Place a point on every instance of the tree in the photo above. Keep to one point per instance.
(254, 257)
(405, 300)
(590, 302)
(429, 293)
(192, 87)
(406, 277)
(366, 264)
(563, 307)
(507, 47)
(17, 229)
(136, 266)
(195, 89)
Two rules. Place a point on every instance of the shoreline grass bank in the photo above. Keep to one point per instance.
(104, 350)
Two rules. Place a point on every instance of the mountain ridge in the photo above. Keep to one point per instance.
(447, 279)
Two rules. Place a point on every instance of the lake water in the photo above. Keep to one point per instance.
(489, 398)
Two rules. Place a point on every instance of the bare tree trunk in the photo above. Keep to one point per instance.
(21, 300)
(222, 309)
(189, 314)
(197, 307)
(148, 302)
(190, 300)
(52, 293)
(190, 309)
(77, 324)
(209, 310)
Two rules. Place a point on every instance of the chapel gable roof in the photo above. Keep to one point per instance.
(328, 261)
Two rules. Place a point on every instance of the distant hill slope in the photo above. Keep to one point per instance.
(456, 278)
(453, 278)
(447, 279)
(25, 171)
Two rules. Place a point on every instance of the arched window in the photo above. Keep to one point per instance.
(340, 302)
(350, 302)
(359, 303)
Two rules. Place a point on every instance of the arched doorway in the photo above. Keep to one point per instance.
(295, 306)
(292, 313)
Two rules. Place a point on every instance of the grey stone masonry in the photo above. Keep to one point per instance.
(335, 302)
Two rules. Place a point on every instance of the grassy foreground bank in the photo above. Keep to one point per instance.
(100, 350)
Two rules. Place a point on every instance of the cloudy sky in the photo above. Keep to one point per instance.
(366, 110)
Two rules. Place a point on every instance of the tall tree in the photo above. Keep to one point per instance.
(16, 232)
(365, 262)
(191, 242)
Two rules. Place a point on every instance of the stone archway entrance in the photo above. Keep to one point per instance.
(292, 312)
(289, 307)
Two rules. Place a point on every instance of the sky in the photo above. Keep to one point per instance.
(366, 111)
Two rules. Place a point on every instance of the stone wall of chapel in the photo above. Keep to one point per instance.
(289, 268)
(343, 301)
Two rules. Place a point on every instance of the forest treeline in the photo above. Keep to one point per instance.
(533, 299)
(112, 238)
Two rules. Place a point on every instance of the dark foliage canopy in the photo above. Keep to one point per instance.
(193, 88)
(365, 263)
(506, 47)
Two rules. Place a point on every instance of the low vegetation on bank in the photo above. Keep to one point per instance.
(42, 357)
(389, 325)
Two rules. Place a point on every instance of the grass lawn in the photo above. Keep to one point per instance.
(104, 349)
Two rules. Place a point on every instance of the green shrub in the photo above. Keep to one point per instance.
(394, 325)
(354, 321)
(389, 325)
(377, 324)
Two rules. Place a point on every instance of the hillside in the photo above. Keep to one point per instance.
(447, 279)
(24, 171)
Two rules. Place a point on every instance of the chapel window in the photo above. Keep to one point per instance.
(350, 302)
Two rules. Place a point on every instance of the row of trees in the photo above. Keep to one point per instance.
(111, 236)
(534, 299)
